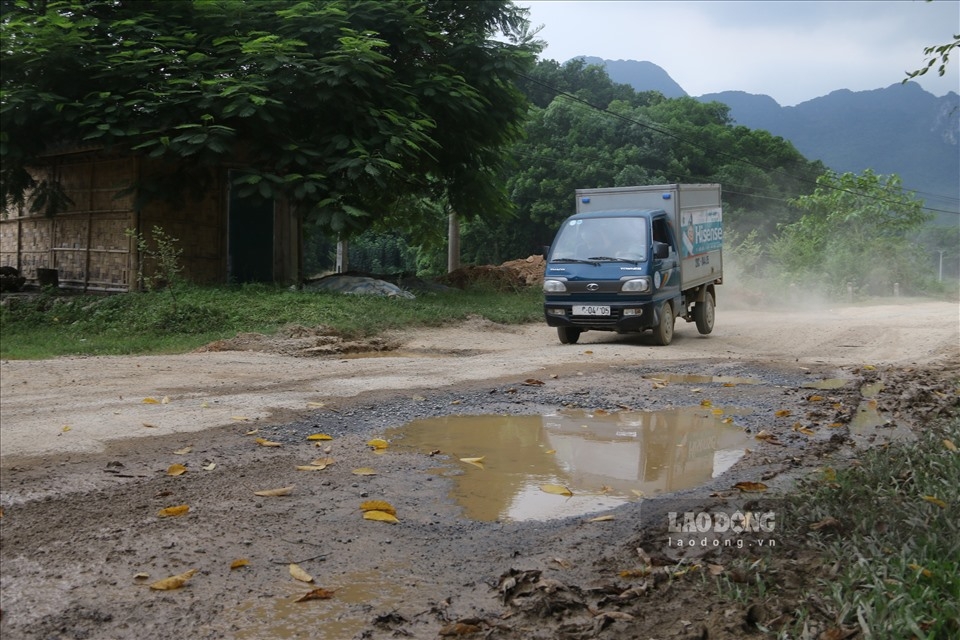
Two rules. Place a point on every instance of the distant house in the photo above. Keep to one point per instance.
(85, 243)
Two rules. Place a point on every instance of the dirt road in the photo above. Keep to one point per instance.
(86, 445)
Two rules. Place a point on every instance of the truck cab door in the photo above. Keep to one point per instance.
(666, 258)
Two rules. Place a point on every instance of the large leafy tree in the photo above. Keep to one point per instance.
(345, 107)
(857, 230)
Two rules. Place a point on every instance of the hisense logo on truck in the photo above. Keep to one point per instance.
(701, 230)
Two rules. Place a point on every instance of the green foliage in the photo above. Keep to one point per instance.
(50, 325)
(854, 229)
(341, 107)
(162, 258)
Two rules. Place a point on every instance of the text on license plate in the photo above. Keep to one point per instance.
(591, 310)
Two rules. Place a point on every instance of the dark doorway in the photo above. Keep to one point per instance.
(250, 239)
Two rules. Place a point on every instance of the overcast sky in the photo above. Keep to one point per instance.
(791, 51)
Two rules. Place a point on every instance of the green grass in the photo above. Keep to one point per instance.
(49, 325)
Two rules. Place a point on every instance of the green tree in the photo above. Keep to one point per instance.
(343, 107)
(855, 229)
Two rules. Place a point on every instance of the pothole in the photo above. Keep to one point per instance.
(603, 459)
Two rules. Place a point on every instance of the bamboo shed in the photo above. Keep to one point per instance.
(85, 244)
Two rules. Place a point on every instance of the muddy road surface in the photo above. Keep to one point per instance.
(531, 483)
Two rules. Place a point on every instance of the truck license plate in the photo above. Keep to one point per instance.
(591, 310)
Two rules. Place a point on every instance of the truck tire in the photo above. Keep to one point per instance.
(703, 313)
(568, 335)
(663, 332)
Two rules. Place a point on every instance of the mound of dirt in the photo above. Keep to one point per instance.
(509, 276)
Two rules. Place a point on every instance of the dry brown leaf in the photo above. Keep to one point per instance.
(783, 413)
(311, 467)
(300, 574)
(316, 594)
(949, 445)
(172, 512)
(926, 573)
(378, 443)
(150, 401)
(750, 486)
(364, 471)
(459, 629)
(606, 518)
(149, 426)
(323, 461)
(263, 442)
(378, 505)
(273, 493)
(176, 470)
(638, 493)
(173, 582)
(550, 451)
(184, 451)
(319, 436)
(239, 562)
(557, 489)
(240, 418)
(815, 398)
(533, 382)
(141, 576)
(252, 432)
(316, 405)
(715, 569)
(706, 403)
(799, 428)
(380, 516)
(826, 524)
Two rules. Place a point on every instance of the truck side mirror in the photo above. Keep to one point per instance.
(546, 250)
(661, 250)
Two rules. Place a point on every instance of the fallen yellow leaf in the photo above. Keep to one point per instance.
(926, 573)
(783, 413)
(319, 436)
(378, 443)
(263, 442)
(210, 467)
(300, 574)
(176, 470)
(251, 432)
(949, 445)
(601, 519)
(150, 401)
(815, 398)
(937, 501)
(316, 405)
(557, 489)
(273, 493)
(184, 451)
(717, 412)
(380, 516)
(172, 512)
(638, 493)
(550, 451)
(240, 418)
(364, 471)
(65, 428)
(750, 486)
(173, 582)
(311, 467)
(378, 505)
(706, 403)
(323, 461)
(165, 400)
(316, 594)
(239, 562)
(472, 460)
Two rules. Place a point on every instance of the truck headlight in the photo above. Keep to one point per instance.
(636, 285)
(554, 286)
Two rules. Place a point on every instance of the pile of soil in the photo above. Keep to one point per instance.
(509, 276)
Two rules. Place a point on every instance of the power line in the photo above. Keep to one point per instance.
(724, 154)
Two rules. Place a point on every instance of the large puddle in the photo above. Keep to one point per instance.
(604, 459)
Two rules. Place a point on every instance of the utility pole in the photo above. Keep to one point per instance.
(453, 243)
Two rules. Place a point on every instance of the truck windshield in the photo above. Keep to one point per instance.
(615, 238)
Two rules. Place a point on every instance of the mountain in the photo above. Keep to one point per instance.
(901, 129)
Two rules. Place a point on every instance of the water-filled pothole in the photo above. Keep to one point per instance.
(604, 459)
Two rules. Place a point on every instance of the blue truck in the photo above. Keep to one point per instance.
(633, 259)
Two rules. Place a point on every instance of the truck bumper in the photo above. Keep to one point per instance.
(624, 317)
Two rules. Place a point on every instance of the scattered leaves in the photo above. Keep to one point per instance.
(176, 470)
(274, 493)
(316, 594)
(473, 460)
(300, 574)
(184, 451)
(926, 573)
(319, 436)
(557, 489)
(263, 442)
(316, 405)
(533, 382)
(949, 445)
(210, 467)
(311, 467)
(173, 582)
(799, 428)
(606, 518)
(706, 403)
(150, 401)
(239, 562)
(827, 524)
(378, 443)
(173, 512)
(750, 486)
(783, 413)
(66, 428)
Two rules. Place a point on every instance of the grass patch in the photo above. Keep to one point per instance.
(896, 546)
(48, 324)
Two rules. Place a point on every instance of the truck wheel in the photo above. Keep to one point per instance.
(568, 335)
(703, 314)
(663, 333)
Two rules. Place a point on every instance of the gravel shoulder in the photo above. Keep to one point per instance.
(83, 463)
